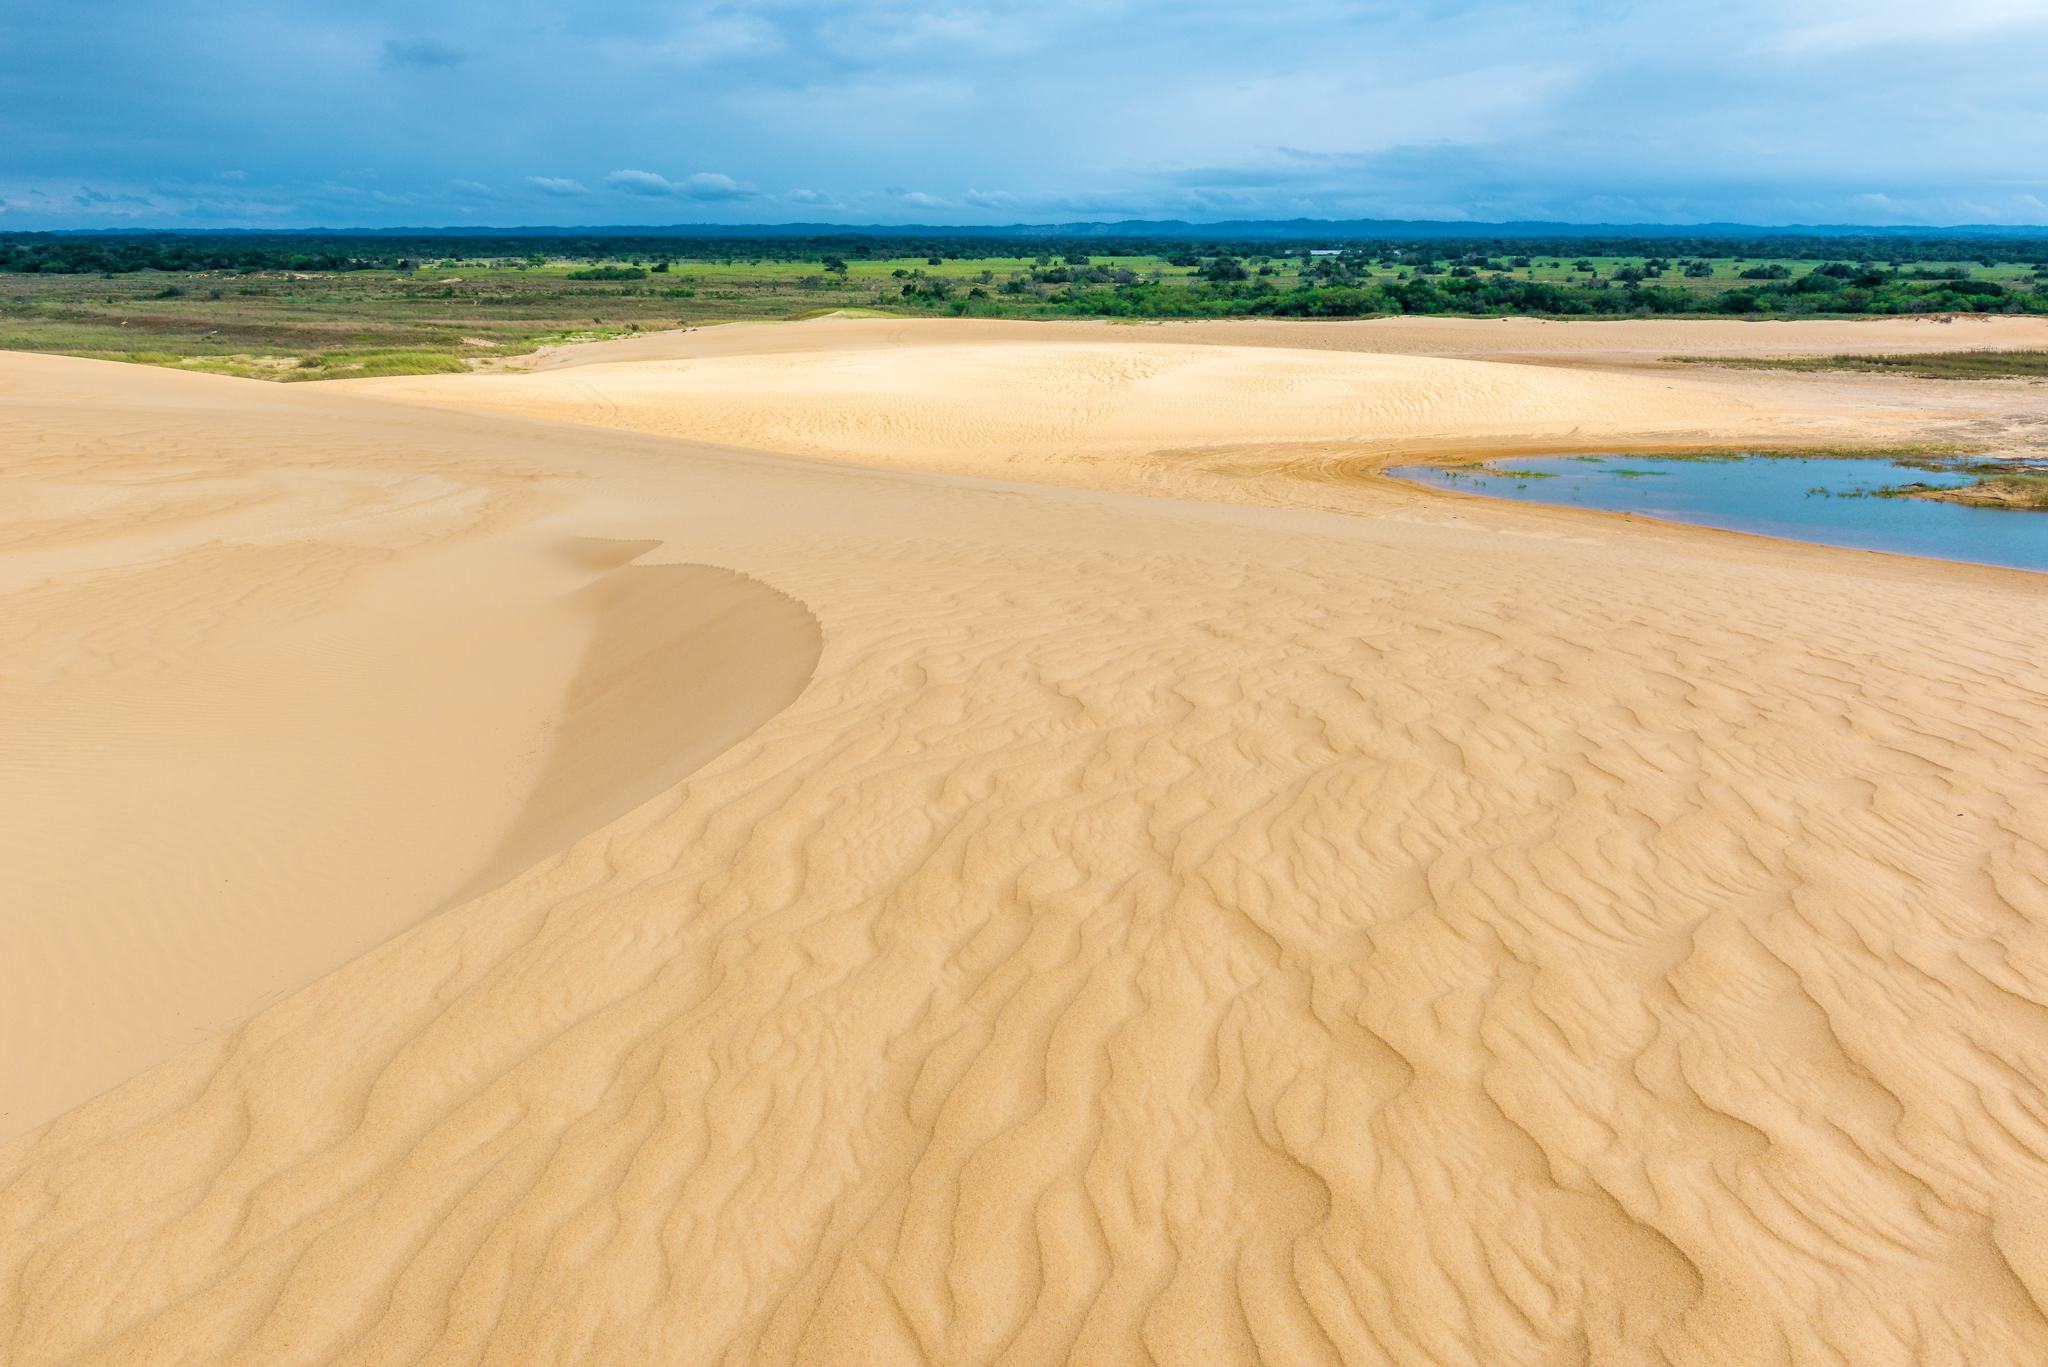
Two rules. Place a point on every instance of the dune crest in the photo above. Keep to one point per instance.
(1160, 931)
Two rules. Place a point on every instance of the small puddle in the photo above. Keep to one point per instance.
(1833, 501)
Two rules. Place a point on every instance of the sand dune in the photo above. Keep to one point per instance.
(262, 714)
(1029, 402)
(1633, 340)
(1152, 407)
(1158, 930)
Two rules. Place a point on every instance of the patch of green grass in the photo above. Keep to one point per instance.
(1946, 365)
(365, 364)
(2025, 492)
(341, 365)
(2018, 491)
(1926, 451)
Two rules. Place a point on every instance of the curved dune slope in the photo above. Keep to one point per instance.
(262, 714)
(1160, 931)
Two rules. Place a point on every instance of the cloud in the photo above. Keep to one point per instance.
(641, 183)
(705, 185)
(557, 185)
(89, 198)
(472, 189)
(712, 185)
(420, 53)
(68, 203)
(342, 193)
(815, 201)
(1838, 26)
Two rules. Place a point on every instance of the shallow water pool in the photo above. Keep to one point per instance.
(1827, 500)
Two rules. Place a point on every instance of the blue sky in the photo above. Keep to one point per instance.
(374, 113)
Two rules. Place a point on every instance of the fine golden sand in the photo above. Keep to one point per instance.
(1125, 883)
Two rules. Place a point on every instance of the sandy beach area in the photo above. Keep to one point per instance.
(871, 841)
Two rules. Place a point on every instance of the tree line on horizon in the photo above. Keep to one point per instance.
(122, 253)
(1483, 276)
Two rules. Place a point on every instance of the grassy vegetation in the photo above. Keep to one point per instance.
(2027, 493)
(2008, 491)
(1919, 455)
(1949, 365)
(299, 326)
(1996, 482)
(283, 307)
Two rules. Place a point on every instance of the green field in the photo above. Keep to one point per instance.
(414, 316)
(292, 326)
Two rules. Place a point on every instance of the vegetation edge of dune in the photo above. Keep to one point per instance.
(1985, 364)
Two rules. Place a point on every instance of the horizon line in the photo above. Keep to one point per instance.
(1300, 226)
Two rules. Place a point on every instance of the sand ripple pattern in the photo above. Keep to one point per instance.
(1178, 935)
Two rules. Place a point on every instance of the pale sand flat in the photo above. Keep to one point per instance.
(1431, 932)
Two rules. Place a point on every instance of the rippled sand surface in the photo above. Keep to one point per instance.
(698, 905)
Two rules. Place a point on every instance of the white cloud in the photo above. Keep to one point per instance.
(712, 185)
(815, 199)
(557, 185)
(704, 185)
(1830, 26)
(641, 183)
